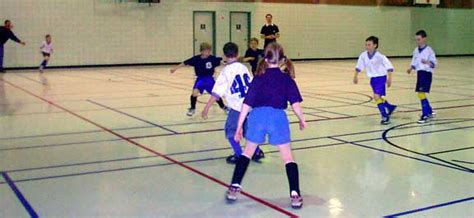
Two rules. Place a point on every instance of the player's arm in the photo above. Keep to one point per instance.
(16, 39)
(432, 59)
(299, 113)
(218, 91)
(389, 66)
(211, 101)
(359, 67)
(277, 34)
(412, 64)
(174, 69)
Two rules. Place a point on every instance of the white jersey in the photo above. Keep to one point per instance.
(420, 54)
(47, 48)
(232, 84)
(375, 65)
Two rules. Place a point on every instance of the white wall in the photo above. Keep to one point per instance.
(88, 32)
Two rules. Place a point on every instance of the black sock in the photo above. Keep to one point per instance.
(221, 103)
(293, 180)
(193, 102)
(240, 168)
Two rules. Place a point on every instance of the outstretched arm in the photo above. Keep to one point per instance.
(174, 69)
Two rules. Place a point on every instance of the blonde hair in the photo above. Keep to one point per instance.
(274, 54)
(205, 46)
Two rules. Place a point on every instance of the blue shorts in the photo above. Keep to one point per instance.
(423, 81)
(204, 84)
(231, 123)
(264, 121)
(378, 85)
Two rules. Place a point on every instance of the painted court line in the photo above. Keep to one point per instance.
(192, 169)
(19, 195)
(431, 207)
(132, 116)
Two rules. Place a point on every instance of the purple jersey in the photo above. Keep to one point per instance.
(273, 89)
(204, 67)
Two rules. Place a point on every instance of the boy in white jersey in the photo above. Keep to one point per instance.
(46, 50)
(378, 67)
(423, 61)
(233, 84)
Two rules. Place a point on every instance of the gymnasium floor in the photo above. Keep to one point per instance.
(116, 142)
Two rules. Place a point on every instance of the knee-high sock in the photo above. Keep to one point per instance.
(425, 104)
(293, 177)
(44, 63)
(235, 146)
(193, 102)
(381, 106)
(240, 169)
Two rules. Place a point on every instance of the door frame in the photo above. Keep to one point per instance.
(249, 23)
(213, 30)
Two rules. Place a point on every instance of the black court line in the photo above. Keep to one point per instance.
(226, 148)
(430, 207)
(386, 139)
(19, 195)
(462, 161)
(132, 116)
(448, 151)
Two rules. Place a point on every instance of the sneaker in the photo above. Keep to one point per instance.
(258, 155)
(432, 115)
(423, 119)
(391, 109)
(385, 121)
(296, 201)
(232, 159)
(191, 112)
(232, 193)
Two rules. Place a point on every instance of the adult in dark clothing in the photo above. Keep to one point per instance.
(270, 31)
(6, 34)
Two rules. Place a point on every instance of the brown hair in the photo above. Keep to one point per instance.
(254, 40)
(205, 46)
(274, 54)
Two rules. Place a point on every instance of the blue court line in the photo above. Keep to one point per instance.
(448, 151)
(132, 116)
(430, 207)
(19, 195)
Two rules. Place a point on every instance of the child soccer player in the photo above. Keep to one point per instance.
(268, 97)
(253, 54)
(424, 62)
(377, 67)
(46, 50)
(233, 84)
(204, 67)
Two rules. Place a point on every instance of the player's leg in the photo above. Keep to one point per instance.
(1, 59)
(378, 87)
(193, 101)
(293, 175)
(423, 86)
(239, 171)
(230, 129)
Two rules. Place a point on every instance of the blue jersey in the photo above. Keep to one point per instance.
(204, 67)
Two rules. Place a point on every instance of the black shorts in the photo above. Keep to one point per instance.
(423, 82)
(46, 54)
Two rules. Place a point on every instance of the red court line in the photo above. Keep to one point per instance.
(255, 198)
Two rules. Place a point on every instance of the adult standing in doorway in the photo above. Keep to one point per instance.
(6, 34)
(270, 31)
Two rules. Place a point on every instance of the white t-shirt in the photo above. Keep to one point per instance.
(233, 84)
(426, 54)
(375, 65)
(47, 48)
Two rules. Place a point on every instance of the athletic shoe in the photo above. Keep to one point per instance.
(258, 155)
(232, 159)
(432, 115)
(296, 201)
(423, 119)
(191, 112)
(385, 121)
(232, 193)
